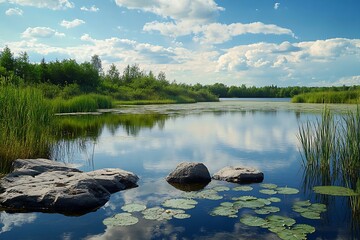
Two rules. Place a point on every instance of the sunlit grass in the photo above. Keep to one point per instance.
(351, 97)
(82, 103)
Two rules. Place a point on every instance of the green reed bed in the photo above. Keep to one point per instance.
(82, 103)
(331, 152)
(25, 124)
(351, 97)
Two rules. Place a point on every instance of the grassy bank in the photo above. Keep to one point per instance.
(351, 97)
(26, 119)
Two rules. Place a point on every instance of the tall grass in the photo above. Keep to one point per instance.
(352, 97)
(82, 103)
(331, 152)
(25, 124)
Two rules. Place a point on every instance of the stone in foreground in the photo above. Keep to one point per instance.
(48, 186)
(187, 172)
(239, 175)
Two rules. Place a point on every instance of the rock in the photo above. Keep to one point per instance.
(49, 186)
(239, 175)
(187, 172)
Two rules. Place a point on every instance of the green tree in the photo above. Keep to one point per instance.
(97, 64)
(7, 59)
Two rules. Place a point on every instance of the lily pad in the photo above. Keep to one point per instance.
(221, 188)
(161, 214)
(121, 219)
(310, 215)
(268, 185)
(224, 211)
(242, 188)
(289, 234)
(253, 221)
(309, 210)
(277, 220)
(133, 207)
(182, 216)
(318, 207)
(268, 191)
(302, 203)
(181, 203)
(267, 210)
(305, 228)
(253, 204)
(287, 190)
(244, 198)
(209, 194)
(335, 191)
(274, 199)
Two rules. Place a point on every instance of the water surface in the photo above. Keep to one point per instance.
(151, 140)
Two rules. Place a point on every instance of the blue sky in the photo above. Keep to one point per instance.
(251, 42)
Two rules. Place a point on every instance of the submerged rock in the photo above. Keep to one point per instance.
(49, 186)
(187, 172)
(239, 175)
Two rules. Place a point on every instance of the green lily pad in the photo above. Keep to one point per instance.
(265, 201)
(289, 234)
(133, 207)
(302, 203)
(253, 204)
(227, 204)
(209, 194)
(121, 219)
(305, 228)
(300, 209)
(335, 191)
(221, 188)
(182, 216)
(310, 215)
(181, 203)
(242, 188)
(224, 211)
(268, 185)
(244, 198)
(161, 214)
(274, 199)
(268, 191)
(277, 220)
(267, 210)
(318, 207)
(287, 190)
(253, 221)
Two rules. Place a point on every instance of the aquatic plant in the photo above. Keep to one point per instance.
(133, 207)
(162, 214)
(335, 191)
(268, 185)
(309, 210)
(242, 188)
(287, 190)
(121, 219)
(180, 203)
(82, 103)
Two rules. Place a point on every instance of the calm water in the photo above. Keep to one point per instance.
(151, 140)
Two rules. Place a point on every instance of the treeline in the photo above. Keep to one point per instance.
(67, 78)
(223, 91)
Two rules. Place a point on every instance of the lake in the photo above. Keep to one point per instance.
(151, 140)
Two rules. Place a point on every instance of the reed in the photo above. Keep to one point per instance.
(25, 124)
(82, 103)
(351, 97)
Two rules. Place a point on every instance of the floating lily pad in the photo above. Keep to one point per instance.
(310, 215)
(224, 211)
(133, 207)
(209, 194)
(302, 203)
(121, 219)
(244, 198)
(221, 188)
(227, 204)
(277, 220)
(265, 201)
(267, 210)
(305, 228)
(242, 188)
(253, 221)
(289, 234)
(335, 191)
(161, 214)
(182, 216)
(274, 199)
(253, 204)
(268, 185)
(268, 191)
(287, 190)
(181, 203)
(318, 207)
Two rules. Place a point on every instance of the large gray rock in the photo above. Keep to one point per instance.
(49, 186)
(187, 172)
(239, 175)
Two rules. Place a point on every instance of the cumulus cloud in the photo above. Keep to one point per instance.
(72, 24)
(14, 11)
(214, 33)
(276, 6)
(51, 4)
(41, 32)
(349, 81)
(195, 10)
(93, 8)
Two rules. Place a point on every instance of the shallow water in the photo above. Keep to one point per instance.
(257, 134)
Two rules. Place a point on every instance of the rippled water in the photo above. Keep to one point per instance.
(151, 140)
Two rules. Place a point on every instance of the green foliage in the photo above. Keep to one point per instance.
(82, 103)
(25, 122)
(348, 96)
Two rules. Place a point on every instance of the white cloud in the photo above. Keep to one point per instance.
(195, 10)
(14, 11)
(349, 81)
(9, 221)
(214, 33)
(72, 24)
(41, 32)
(93, 8)
(276, 6)
(51, 4)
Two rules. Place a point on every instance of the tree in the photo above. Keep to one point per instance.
(113, 74)
(22, 64)
(7, 59)
(96, 63)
